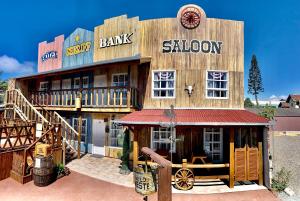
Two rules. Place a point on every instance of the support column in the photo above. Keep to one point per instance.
(135, 149)
(231, 158)
(266, 157)
(79, 134)
(260, 163)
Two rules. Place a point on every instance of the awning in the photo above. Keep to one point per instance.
(197, 117)
(136, 58)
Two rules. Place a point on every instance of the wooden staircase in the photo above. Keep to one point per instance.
(17, 104)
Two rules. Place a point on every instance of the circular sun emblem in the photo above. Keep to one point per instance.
(190, 17)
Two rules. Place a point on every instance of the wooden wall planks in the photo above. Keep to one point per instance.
(53, 62)
(78, 37)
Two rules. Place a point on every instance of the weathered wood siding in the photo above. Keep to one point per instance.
(54, 62)
(78, 37)
(114, 27)
(191, 68)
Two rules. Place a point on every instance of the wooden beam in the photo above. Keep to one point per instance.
(79, 134)
(231, 158)
(260, 162)
(266, 157)
(187, 165)
(135, 149)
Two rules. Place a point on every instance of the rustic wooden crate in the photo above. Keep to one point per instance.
(20, 178)
(17, 162)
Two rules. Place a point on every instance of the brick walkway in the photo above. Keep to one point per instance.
(78, 187)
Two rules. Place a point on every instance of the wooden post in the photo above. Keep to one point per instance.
(266, 158)
(135, 149)
(165, 184)
(231, 158)
(260, 162)
(79, 134)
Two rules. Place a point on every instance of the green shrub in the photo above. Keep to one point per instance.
(281, 180)
(59, 169)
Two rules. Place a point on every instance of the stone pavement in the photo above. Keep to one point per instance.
(106, 169)
(78, 187)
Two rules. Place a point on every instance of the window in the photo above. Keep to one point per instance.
(85, 82)
(83, 128)
(119, 80)
(217, 84)
(44, 86)
(213, 143)
(163, 85)
(116, 135)
(161, 139)
(77, 83)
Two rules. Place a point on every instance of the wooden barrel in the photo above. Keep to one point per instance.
(43, 171)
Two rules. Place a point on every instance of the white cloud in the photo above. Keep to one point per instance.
(12, 65)
(278, 98)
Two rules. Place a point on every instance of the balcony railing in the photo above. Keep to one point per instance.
(114, 97)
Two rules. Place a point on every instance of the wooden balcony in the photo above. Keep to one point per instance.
(106, 99)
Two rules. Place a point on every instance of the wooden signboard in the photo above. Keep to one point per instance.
(78, 48)
(117, 38)
(50, 54)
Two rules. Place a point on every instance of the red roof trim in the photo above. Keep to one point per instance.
(194, 117)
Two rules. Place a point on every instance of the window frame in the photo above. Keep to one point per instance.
(118, 74)
(44, 82)
(85, 133)
(212, 142)
(174, 144)
(111, 129)
(88, 80)
(217, 89)
(75, 79)
(152, 85)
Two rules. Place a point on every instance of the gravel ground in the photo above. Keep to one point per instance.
(286, 154)
(285, 197)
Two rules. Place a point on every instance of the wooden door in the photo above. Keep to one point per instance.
(246, 164)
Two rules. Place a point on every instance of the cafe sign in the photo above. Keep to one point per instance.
(144, 182)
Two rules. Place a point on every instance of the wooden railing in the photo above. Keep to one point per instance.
(91, 97)
(70, 135)
(52, 136)
(15, 99)
(16, 136)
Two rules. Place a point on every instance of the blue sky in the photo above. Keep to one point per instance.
(272, 31)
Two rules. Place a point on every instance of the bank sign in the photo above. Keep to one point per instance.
(192, 46)
(121, 39)
(78, 48)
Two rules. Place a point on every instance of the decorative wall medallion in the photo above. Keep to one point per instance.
(190, 17)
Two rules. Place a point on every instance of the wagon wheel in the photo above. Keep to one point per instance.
(184, 179)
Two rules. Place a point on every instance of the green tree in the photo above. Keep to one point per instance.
(268, 112)
(248, 103)
(3, 83)
(126, 152)
(255, 85)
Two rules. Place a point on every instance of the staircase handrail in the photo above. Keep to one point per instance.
(30, 105)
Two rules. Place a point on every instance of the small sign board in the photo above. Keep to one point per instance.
(144, 182)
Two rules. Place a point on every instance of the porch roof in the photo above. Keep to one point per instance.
(137, 58)
(197, 117)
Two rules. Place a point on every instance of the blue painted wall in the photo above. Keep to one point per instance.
(78, 37)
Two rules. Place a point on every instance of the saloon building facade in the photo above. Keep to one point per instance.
(176, 83)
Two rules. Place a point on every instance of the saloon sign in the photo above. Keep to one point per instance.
(116, 40)
(192, 46)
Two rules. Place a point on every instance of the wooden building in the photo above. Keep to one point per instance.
(176, 83)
